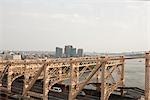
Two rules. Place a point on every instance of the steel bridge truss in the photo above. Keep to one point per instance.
(109, 71)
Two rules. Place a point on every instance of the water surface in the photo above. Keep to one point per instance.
(135, 73)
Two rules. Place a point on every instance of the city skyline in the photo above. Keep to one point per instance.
(68, 51)
(95, 26)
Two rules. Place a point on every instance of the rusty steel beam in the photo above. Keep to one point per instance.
(6, 67)
(74, 76)
(103, 83)
(74, 92)
(45, 85)
(122, 75)
(34, 94)
(147, 76)
(31, 83)
(135, 57)
(108, 88)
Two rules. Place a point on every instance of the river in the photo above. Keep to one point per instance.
(135, 73)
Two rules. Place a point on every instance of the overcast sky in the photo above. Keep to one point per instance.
(94, 25)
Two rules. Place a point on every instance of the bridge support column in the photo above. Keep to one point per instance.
(9, 79)
(60, 73)
(26, 77)
(45, 84)
(122, 76)
(103, 84)
(74, 86)
(2, 74)
(98, 76)
(147, 76)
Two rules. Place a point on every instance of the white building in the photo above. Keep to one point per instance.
(17, 57)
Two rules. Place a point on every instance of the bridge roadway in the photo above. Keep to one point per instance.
(17, 89)
(18, 85)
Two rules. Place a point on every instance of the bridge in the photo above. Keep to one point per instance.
(80, 71)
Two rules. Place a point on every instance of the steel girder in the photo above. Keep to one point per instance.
(79, 71)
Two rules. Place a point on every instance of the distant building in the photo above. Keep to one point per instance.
(68, 50)
(17, 57)
(7, 57)
(80, 52)
(59, 52)
(1, 57)
(73, 52)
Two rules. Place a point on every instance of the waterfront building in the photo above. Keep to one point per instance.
(73, 52)
(80, 52)
(59, 52)
(68, 50)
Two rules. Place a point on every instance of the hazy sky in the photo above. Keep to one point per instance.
(95, 25)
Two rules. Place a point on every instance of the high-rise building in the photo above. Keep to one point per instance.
(73, 52)
(80, 52)
(59, 52)
(68, 50)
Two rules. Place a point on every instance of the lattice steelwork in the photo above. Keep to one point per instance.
(147, 76)
(109, 71)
